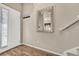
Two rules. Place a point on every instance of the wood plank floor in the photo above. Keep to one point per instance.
(24, 50)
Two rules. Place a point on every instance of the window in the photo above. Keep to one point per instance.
(3, 27)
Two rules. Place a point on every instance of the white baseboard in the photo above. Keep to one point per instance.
(44, 49)
(7, 48)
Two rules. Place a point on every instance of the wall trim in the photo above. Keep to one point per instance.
(9, 49)
(43, 49)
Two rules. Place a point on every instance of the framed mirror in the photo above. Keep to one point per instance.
(3, 27)
(45, 20)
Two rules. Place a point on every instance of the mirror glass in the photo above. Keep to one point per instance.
(45, 21)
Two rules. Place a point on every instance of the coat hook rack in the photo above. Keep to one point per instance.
(26, 17)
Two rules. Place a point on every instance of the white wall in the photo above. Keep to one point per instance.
(13, 28)
(57, 41)
(16, 6)
(65, 14)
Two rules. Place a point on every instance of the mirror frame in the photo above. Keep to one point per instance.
(40, 19)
